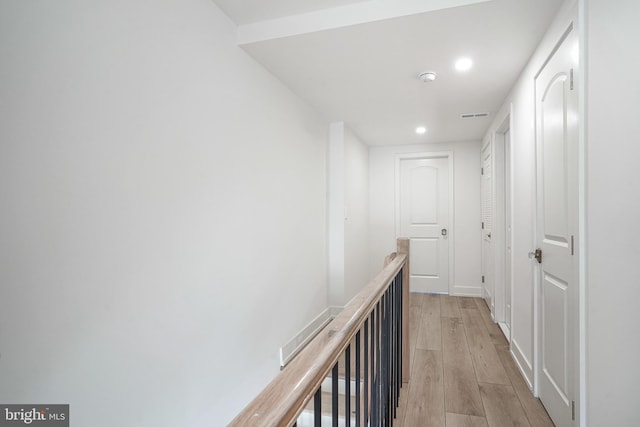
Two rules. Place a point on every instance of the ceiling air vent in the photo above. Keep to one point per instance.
(473, 115)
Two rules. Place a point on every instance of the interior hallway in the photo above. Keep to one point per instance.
(461, 371)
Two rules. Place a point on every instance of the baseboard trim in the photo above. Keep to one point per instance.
(524, 366)
(505, 330)
(289, 350)
(466, 291)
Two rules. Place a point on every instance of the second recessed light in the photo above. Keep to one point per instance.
(463, 64)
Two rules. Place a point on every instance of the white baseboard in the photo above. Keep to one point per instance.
(466, 291)
(302, 338)
(428, 292)
(505, 330)
(524, 366)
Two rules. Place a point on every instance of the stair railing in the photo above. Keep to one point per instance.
(368, 342)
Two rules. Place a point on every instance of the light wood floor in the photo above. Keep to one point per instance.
(462, 373)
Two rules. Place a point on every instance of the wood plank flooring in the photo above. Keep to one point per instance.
(462, 374)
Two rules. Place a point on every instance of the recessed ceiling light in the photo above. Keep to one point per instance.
(463, 64)
(421, 130)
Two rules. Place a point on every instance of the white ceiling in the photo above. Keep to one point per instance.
(358, 62)
(249, 11)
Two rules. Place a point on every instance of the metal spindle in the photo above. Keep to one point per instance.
(395, 348)
(396, 376)
(398, 336)
(366, 371)
(334, 395)
(387, 350)
(378, 362)
(347, 386)
(392, 348)
(401, 317)
(358, 379)
(383, 360)
(390, 353)
(374, 370)
(317, 409)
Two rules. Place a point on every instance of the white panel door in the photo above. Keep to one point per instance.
(424, 219)
(556, 145)
(487, 225)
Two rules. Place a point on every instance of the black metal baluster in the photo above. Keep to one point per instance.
(347, 386)
(334, 395)
(382, 362)
(392, 351)
(396, 390)
(378, 362)
(317, 408)
(391, 359)
(358, 406)
(385, 359)
(401, 322)
(396, 350)
(399, 337)
(365, 414)
(374, 368)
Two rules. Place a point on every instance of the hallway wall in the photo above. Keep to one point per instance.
(467, 216)
(348, 229)
(356, 256)
(162, 215)
(612, 269)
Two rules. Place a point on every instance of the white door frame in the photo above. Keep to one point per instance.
(578, 289)
(488, 282)
(501, 186)
(451, 230)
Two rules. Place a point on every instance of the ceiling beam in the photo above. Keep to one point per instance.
(343, 16)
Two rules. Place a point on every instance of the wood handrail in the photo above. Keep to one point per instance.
(286, 396)
(389, 258)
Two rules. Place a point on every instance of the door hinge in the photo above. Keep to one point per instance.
(482, 279)
(572, 247)
(571, 79)
(573, 410)
(481, 171)
(483, 225)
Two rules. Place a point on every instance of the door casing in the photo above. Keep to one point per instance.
(574, 158)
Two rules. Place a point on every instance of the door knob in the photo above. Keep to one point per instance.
(444, 232)
(537, 254)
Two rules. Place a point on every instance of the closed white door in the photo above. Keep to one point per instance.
(557, 214)
(424, 219)
(487, 225)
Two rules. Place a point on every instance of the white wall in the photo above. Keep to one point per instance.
(612, 212)
(163, 214)
(467, 215)
(520, 104)
(348, 232)
(336, 223)
(356, 222)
